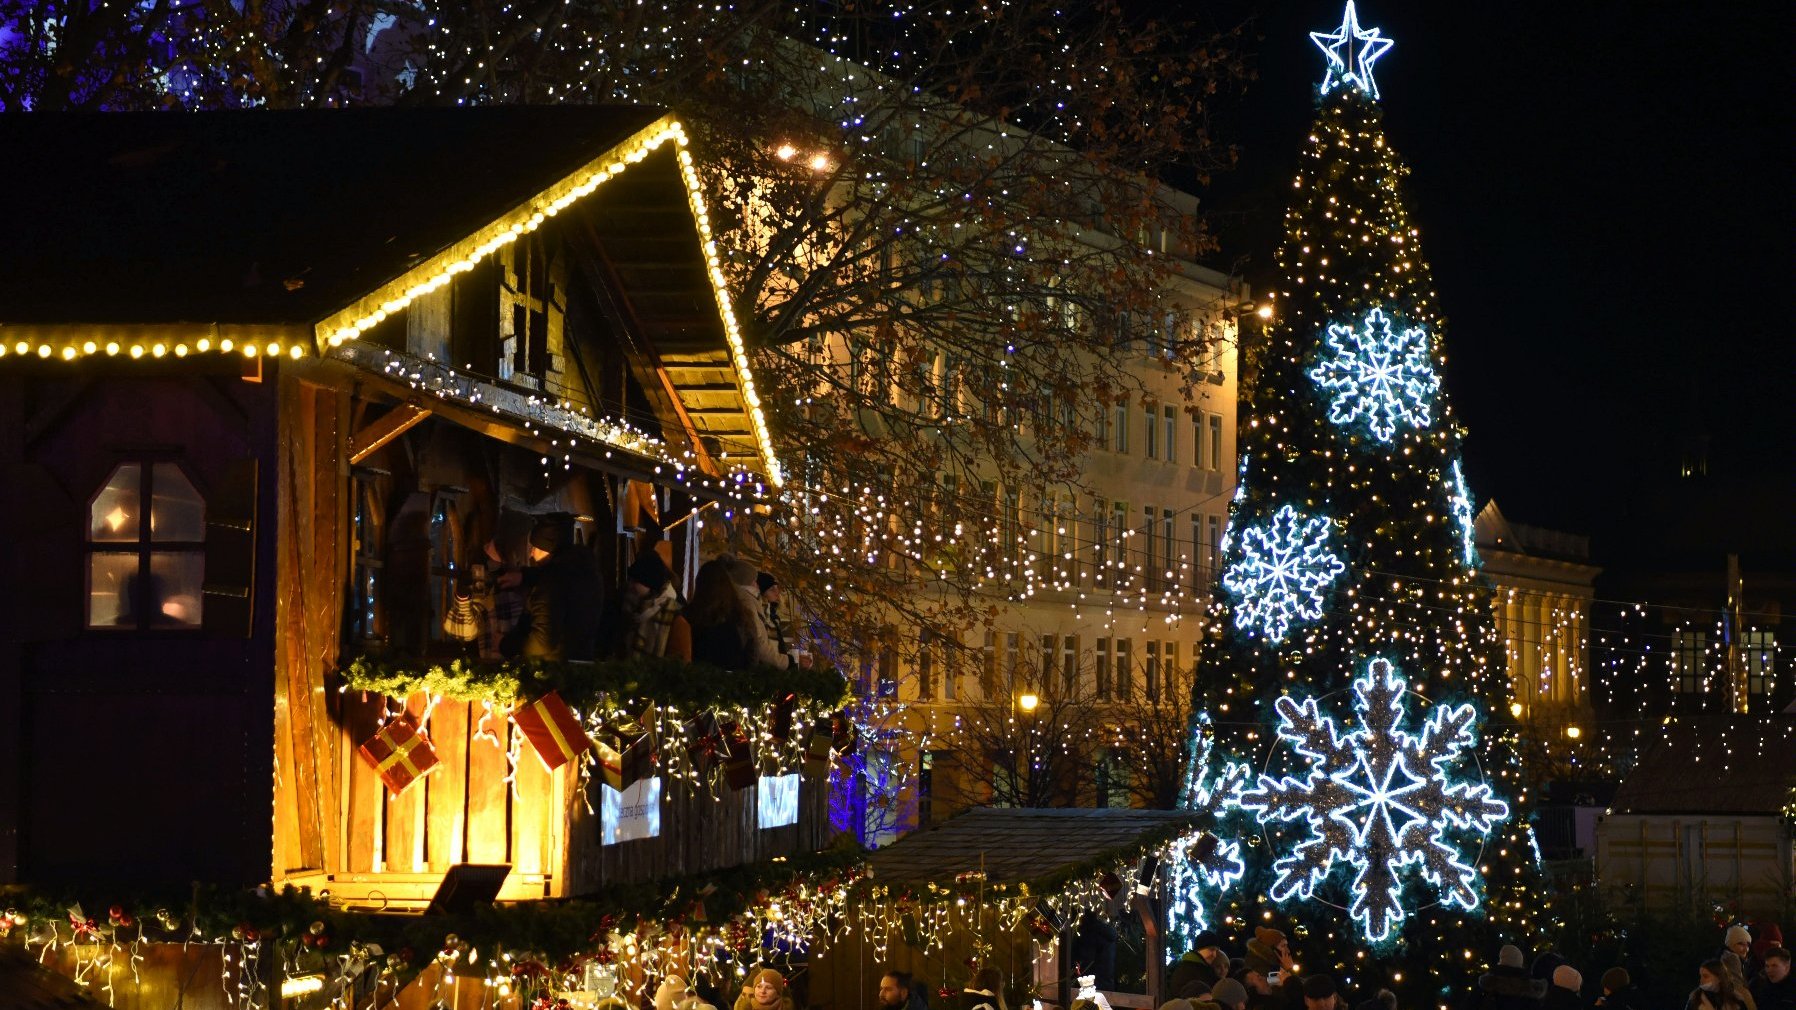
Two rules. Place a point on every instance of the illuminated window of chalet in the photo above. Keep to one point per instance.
(146, 559)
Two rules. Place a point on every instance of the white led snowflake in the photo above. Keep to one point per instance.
(1283, 571)
(1460, 498)
(1377, 799)
(1377, 376)
(1203, 860)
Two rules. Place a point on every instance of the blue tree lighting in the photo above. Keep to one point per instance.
(1284, 569)
(1378, 377)
(1378, 799)
(1351, 52)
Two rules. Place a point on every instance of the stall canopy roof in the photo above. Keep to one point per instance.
(263, 216)
(1019, 845)
(1718, 764)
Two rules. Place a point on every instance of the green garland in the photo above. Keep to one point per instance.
(553, 929)
(692, 687)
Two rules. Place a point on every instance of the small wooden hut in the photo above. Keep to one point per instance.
(267, 381)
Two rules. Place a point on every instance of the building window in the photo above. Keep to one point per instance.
(926, 671)
(1150, 672)
(1169, 425)
(146, 540)
(1214, 525)
(988, 666)
(1013, 661)
(1101, 662)
(1100, 541)
(1216, 441)
(1687, 648)
(1150, 445)
(1761, 653)
(1169, 536)
(1119, 528)
(1120, 428)
(1197, 441)
(1121, 669)
(1069, 664)
(1047, 663)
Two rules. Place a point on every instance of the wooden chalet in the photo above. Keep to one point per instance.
(267, 380)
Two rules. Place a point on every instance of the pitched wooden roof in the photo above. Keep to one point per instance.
(1719, 764)
(262, 216)
(1017, 845)
(28, 985)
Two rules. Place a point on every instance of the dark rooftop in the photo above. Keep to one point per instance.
(262, 216)
(1016, 845)
(1714, 765)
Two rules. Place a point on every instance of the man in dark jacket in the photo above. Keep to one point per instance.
(563, 597)
(1198, 968)
(1508, 986)
(1774, 989)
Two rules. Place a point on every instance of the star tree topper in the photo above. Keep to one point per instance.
(1379, 800)
(1284, 569)
(1351, 53)
(1376, 376)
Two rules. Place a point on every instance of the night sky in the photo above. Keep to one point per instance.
(1604, 191)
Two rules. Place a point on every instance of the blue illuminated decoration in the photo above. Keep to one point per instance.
(1350, 53)
(1377, 799)
(1203, 861)
(1378, 377)
(1460, 498)
(1283, 571)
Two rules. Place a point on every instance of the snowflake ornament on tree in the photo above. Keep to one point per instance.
(1205, 862)
(1284, 569)
(1378, 377)
(1378, 799)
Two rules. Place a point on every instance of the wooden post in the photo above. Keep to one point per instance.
(1154, 943)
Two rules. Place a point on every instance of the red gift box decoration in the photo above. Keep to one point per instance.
(400, 754)
(739, 758)
(552, 729)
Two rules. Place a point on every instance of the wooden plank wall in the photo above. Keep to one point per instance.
(700, 831)
(310, 575)
(845, 972)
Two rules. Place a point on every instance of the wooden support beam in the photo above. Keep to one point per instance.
(389, 426)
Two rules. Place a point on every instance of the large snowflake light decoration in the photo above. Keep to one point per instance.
(1378, 377)
(1205, 861)
(1377, 799)
(1283, 571)
(1459, 497)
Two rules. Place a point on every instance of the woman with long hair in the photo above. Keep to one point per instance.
(722, 632)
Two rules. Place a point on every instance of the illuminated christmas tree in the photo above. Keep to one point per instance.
(1352, 663)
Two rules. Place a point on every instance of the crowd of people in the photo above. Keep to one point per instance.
(535, 593)
(1749, 972)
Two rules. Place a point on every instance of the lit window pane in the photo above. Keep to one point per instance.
(108, 579)
(113, 518)
(177, 512)
(174, 599)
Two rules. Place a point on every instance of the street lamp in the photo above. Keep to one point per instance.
(1027, 702)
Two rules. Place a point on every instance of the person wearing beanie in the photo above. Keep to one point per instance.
(1737, 939)
(1508, 986)
(1228, 994)
(1177, 1004)
(1268, 972)
(1618, 991)
(766, 649)
(563, 597)
(766, 990)
(1565, 992)
(1197, 970)
(1775, 989)
(654, 625)
(1765, 937)
(1321, 993)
